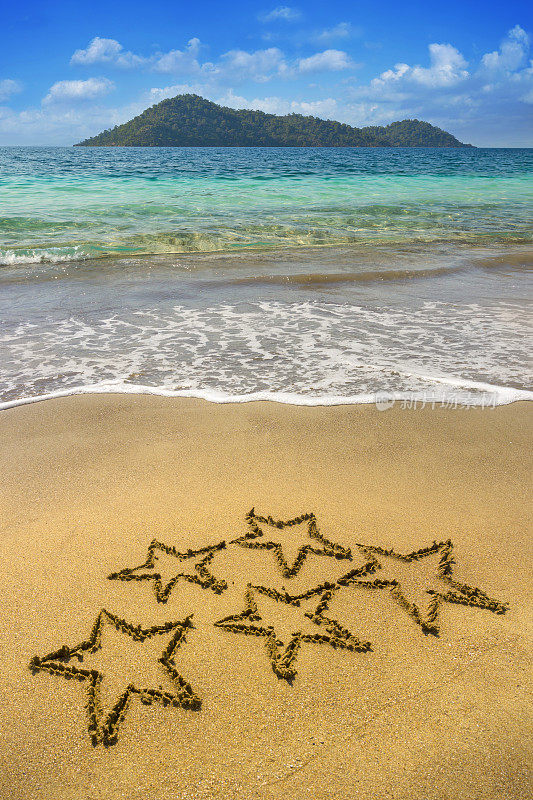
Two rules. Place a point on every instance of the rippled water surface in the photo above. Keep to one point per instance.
(65, 203)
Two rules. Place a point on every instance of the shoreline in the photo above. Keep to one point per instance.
(309, 291)
(497, 249)
(507, 396)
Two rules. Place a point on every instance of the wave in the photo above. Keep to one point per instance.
(11, 258)
(218, 246)
(372, 261)
(489, 395)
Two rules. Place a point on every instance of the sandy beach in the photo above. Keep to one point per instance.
(434, 711)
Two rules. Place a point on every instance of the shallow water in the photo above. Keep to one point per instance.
(75, 203)
(419, 287)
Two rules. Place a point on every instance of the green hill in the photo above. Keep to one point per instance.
(191, 121)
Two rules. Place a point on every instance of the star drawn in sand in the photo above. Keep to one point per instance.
(104, 727)
(201, 575)
(453, 592)
(283, 656)
(318, 546)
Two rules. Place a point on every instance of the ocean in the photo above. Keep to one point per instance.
(303, 275)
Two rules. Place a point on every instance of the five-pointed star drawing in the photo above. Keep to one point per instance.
(315, 542)
(283, 656)
(449, 590)
(201, 574)
(103, 727)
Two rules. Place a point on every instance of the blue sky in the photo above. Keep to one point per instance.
(69, 70)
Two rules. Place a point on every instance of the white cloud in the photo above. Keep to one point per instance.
(98, 50)
(156, 94)
(447, 68)
(285, 13)
(106, 51)
(68, 91)
(279, 105)
(177, 61)
(110, 51)
(264, 65)
(344, 30)
(9, 87)
(60, 124)
(512, 53)
(259, 66)
(326, 61)
(236, 65)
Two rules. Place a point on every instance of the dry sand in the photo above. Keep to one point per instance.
(88, 482)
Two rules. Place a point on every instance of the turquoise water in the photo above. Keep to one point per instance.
(75, 203)
(302, 275)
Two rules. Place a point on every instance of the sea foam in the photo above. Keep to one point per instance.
(488, 396)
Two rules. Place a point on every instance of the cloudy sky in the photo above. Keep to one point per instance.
(69, 70)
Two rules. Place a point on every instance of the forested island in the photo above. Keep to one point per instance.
(188, 120)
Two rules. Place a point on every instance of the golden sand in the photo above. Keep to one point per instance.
(292, 703)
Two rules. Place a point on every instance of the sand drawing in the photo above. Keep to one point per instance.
(105, 728)
(283, 661)
(256, 538)
(203, 576)
(458, 592)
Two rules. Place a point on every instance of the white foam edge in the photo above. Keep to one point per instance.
(500, 395)
(11, 258)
